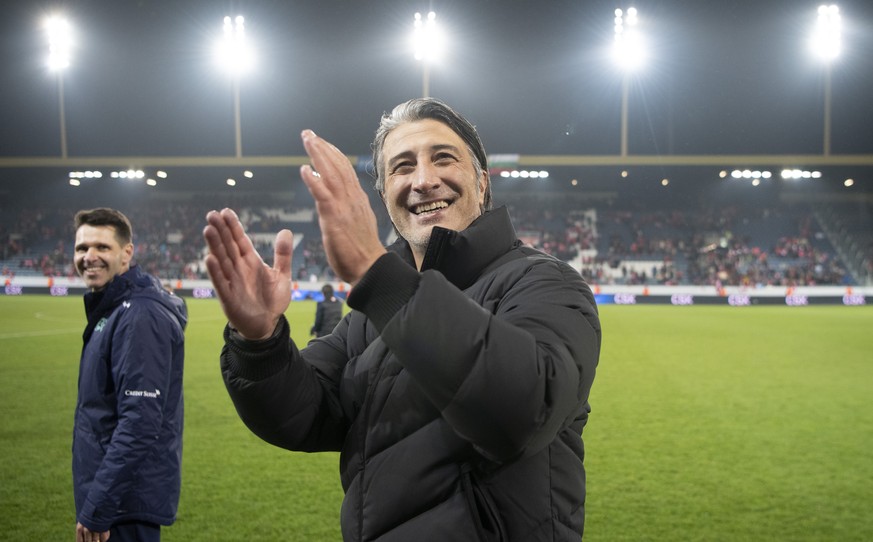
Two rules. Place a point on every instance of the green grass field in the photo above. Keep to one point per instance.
(708, 423)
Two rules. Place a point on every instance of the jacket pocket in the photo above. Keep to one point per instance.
(482, 508)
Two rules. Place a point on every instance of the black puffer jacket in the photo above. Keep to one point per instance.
(457, 395)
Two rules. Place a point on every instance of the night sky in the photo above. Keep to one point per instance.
(724, 77)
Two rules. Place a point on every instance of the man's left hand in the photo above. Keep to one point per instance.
(348, 225)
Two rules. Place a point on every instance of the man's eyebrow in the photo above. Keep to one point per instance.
(86, 245)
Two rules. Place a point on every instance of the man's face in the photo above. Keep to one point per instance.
(99, 256)
(430, 181)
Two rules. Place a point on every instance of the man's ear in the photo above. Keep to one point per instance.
(483, 187)
(127, 254)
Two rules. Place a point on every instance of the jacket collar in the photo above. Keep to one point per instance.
(462, 256)
(99, 304)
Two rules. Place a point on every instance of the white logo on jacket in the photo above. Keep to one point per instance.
(143, 393)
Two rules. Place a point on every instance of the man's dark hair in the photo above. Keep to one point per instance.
(430, 108)
(327, 290)
(104, 216)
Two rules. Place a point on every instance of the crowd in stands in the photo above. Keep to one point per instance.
(729, 245)
(714, 246)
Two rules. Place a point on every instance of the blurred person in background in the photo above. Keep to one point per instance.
(457, 388)
(127, 435)
(328, 313)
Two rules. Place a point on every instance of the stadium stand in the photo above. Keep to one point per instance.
(616, 241)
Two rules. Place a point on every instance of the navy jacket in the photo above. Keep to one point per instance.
(127, 437)
(456, 395)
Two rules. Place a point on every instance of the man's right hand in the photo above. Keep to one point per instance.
(83, 534)
(253, 295)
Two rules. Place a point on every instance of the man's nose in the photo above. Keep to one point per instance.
(426, 178)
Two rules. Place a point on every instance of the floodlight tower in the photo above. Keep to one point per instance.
(427, 45)
(628, 53)
(826, 44)
(60, 40)
(236, 57)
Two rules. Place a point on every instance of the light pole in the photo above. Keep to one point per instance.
(59, 42)
(628, 54)
(826, 44)
(236, 57)
(427, 45)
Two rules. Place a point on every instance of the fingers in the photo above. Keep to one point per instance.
(333, 167)
(219, 281)
(228, 242)
(231, 233)
(83, 534)
(283, 249)
(218, 260)
(313, 182)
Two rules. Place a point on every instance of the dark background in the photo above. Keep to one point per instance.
(724, 77)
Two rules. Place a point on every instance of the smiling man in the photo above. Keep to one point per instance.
(457, 388)
(127, 437)
(431, 179)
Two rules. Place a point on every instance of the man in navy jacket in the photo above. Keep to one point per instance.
(127, 437)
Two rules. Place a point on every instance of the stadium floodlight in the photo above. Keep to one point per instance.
(427, 45)
(234, 53)
(826, 41)
(826, 44)
(628, 48)
(628, 52)
(754, 175)
(800, 174)
(60, 41)
(236, 57)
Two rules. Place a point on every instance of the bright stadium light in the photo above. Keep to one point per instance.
(234, 54)
(754, 175)
(795, 174)
(427, 38)
(826, 44)
(628, 48)
(236, 57)
(524, 174)
(60, 44)
(826, 41)
(427, 44)
(628, 52)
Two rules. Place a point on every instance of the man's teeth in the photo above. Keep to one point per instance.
(432, 206)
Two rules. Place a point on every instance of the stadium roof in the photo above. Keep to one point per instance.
(728, 85)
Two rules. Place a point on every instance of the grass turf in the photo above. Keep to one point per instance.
(708, 423)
